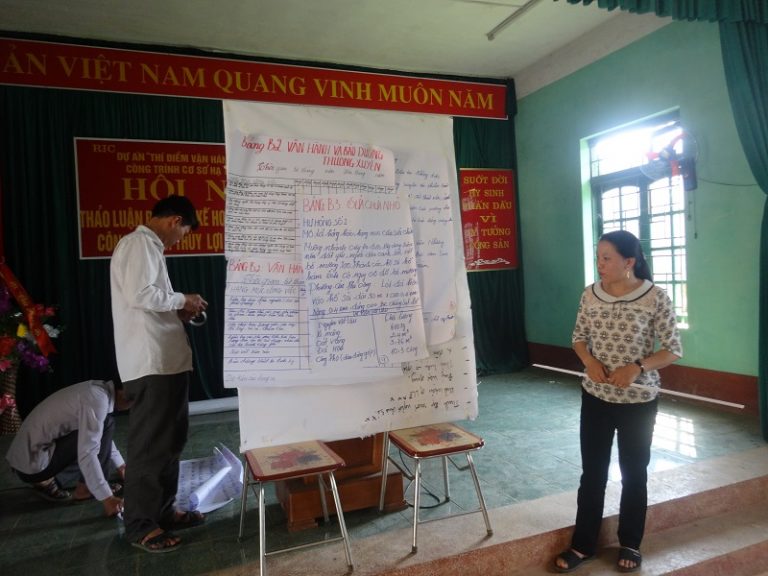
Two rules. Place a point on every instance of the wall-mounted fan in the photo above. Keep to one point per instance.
(673, 153)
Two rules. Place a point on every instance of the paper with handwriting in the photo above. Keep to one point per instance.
(328, 246)
(439, 388)
(351, 243)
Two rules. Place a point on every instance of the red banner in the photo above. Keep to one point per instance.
(119, 181)
(56, 65)
(489, 223)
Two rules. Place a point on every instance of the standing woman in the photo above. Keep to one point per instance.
(620, 319)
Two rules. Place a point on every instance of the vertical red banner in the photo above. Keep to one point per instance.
(488, 218)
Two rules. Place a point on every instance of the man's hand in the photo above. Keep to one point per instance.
(112, 506)
(194, 303)
(185, 316)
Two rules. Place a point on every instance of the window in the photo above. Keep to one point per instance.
(647, 199)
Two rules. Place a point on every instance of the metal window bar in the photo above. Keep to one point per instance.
(659, 223)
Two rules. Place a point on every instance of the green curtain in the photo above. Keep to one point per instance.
(693, 10)
(497, 296)
(744, 45)
(40, 230)
(745, 56)
(40, 225)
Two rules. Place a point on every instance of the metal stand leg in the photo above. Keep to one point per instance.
(323, 503)
(472, 470)
(340, 516)
(445, 479)
(262, 533)
(416, 498)
(243, 499)
(384, 469)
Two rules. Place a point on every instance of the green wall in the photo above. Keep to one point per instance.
(680, 66)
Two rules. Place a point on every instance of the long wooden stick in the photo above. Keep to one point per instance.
(651, 388)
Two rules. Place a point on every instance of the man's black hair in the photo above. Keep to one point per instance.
(177, 206)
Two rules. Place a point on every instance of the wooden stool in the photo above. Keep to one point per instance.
(296, 460)
(434, 441)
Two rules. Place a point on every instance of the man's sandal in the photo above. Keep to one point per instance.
(629, 555)
(184, 520)
(163, 542)
(51, 491)
(571, 561)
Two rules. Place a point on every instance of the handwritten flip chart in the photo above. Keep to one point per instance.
(347, 307)
(423, 179)
(267, 331)
(362, 281)
(355, 298)
(439, 388)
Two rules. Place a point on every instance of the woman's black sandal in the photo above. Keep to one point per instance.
(629, 555)
(571, 560)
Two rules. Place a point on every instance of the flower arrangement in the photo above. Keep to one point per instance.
(7, 401)
(18, 343)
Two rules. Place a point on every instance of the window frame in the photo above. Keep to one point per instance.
(677, 288)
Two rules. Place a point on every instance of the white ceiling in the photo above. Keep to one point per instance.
(428, 36)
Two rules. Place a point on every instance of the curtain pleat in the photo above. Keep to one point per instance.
(745, 59)
(691, 10)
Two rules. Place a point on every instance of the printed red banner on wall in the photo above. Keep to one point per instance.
(489, 223)
(72, 66)
(119, 181)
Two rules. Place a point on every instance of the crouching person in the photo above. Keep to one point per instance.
(72, 426)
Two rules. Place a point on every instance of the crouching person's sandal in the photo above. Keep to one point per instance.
(51, 491)
(571, 561)
(628, 555)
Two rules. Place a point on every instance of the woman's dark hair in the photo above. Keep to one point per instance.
(628, 246)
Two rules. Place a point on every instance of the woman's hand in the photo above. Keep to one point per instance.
(596, 371)
(624, 376)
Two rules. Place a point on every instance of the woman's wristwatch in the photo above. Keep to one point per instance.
(642, 368)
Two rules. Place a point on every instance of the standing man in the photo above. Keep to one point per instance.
(155, 360)
(72, 425)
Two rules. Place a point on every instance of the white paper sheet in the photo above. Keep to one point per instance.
(440, 388)
(267, 331)
(362, 283)
(346, 296)
(423, 179)
(425, 169)
(206, 484)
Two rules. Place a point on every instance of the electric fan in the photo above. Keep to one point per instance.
(672, 156)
